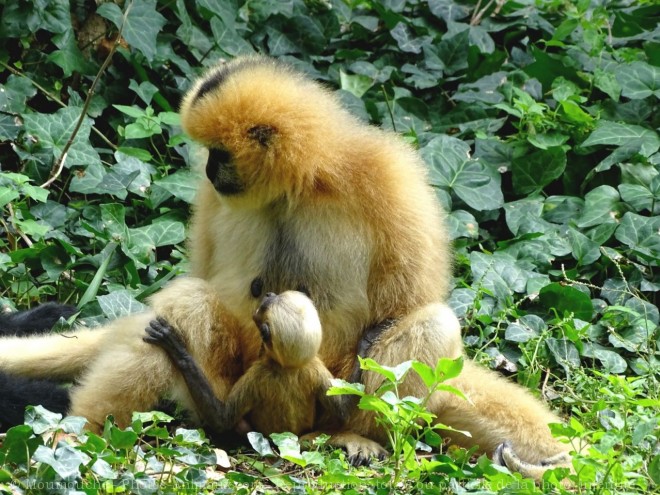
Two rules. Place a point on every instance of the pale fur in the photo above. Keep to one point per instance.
(355, 201)
(281, 389)
(296, 329)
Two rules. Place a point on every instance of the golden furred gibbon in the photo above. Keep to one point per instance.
(299, 194)
(281, 390)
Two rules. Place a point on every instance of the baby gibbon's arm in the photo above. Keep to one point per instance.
(339, 406)
(211, 410)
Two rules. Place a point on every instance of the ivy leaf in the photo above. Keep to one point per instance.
(498, 273)
(566, 299)
(453, 52)
(405, 40)
(448, 10)
(65, 460)
(531, 173)
(54, 130)
(585, 250)
(642, 235)
(642, 197)
(142, 24)
(120, 303)
(471, 180)
(611, 361)
(564, 352)
(601, 206)
(181, 184)
(228, 40)
(617, 134)
(260, 444)
(355, 84)
(639, 80)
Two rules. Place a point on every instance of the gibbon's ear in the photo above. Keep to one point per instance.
(263, 134)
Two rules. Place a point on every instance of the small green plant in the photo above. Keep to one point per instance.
(408, 424)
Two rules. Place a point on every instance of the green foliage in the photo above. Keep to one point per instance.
(538, 122)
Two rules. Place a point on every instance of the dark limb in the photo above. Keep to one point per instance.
(36, 320)
(16, 393)
(369, 337)
(209, 408)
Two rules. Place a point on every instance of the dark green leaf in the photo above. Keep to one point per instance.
(471, 180)
(566, 299)
(534, 171)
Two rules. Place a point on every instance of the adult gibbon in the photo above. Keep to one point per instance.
(282, 389)
(299, 194)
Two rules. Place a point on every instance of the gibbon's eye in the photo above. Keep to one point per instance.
(264, 329)
(262, 134)
(257, 287)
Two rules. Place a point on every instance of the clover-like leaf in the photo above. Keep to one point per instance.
(52, 132)
(639, 80)
(140, 26)
(642, 235)
(120, 303)
(644, 140)
(534, 171)
(471, 180)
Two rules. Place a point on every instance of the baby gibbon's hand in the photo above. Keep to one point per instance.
(165, 336)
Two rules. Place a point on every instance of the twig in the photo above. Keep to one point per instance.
(25, 238)
(477, 14)
(59, 165)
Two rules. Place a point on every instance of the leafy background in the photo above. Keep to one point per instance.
(538, 122)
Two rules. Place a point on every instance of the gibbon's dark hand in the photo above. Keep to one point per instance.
(165, 336)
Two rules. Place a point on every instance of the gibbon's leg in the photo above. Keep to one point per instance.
(500, 411)
(390, 343)
(129, 375)
(497, 410)
(36, 320)
(19, 392)
(209, 408)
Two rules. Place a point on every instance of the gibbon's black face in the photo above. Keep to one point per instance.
(222, 172)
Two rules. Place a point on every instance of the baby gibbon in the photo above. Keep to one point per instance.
(299, 194)
(281, 390)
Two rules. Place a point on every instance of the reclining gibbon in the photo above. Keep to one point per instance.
(282, 389)
(16, 392)
(299, 194)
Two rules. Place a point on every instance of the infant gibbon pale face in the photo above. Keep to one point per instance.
(281, 391)
(290, 328)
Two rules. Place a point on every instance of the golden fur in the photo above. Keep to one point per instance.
(301, 193)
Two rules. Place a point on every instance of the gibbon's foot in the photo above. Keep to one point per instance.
(36, 320)
(164, 335)
(360, 450)
(504, 455)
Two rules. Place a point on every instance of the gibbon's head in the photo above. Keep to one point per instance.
(290, 328)
(268, 129)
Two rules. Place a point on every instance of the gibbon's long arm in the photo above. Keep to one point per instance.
(35, 320)
(339, 406)
(211, 410)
